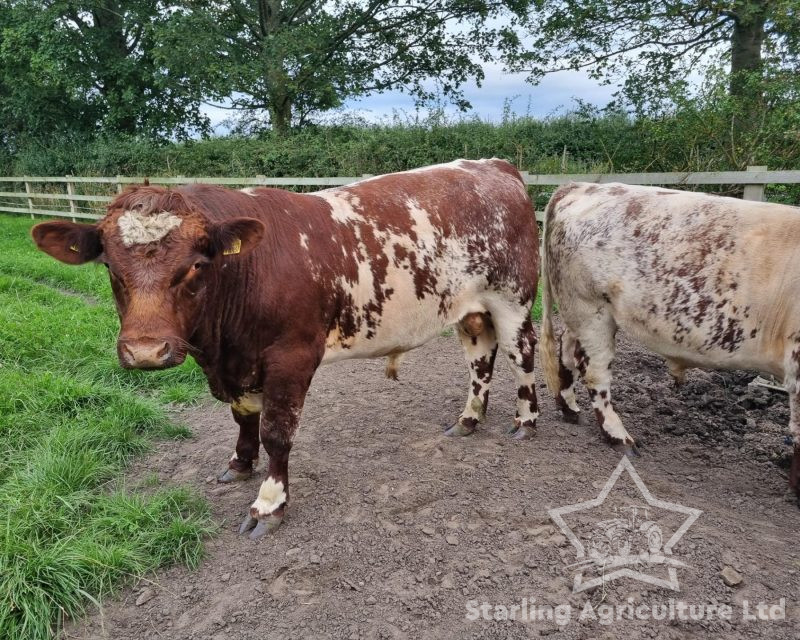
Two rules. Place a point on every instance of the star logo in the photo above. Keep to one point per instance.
(630, 544)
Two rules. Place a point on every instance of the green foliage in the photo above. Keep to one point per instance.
(70, 420)
(653, 45)
(294, 58)
(694, 135)
(707, 130)
(144, 67)
(69, 67)
(347, 149)
(37, 90)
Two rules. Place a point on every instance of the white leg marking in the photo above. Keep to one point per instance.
(568, 361)
(478, 349)
(270, 496)
(509, 321)
(612, 424)
(524, 413)
(569, 397)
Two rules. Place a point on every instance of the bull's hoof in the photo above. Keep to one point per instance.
(523, 432)
(462, 428)
(232, 475)
(567, 413)
(259, 527)
(626, 448)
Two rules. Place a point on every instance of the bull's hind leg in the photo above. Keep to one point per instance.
(794, 426)
(594, 354)
(480, 348)
(245, 457)
(517, 339)
(567, 374)
(792, 384)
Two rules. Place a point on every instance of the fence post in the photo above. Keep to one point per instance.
(71, 192)
(28, 191)
(754, 191)
(119, 184)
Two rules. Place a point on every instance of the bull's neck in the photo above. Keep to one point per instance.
(225, 330)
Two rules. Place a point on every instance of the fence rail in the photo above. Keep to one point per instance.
(69, 204)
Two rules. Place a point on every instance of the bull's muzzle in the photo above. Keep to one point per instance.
(147, 353)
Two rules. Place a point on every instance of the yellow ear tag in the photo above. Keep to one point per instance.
(236, 247)
(74, 247)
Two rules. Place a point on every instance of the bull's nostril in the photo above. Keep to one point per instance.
(127, 353)
(145, 353)
(164, 351)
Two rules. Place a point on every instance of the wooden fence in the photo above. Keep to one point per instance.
(61, 199)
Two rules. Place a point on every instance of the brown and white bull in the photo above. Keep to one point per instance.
(702, 280)
(262, 286)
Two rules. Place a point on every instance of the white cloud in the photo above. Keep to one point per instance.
(554, 93)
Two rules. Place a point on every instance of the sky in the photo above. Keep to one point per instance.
(556, 92)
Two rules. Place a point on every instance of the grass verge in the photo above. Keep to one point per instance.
(70, 421)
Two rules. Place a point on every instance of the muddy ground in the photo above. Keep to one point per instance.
(393, 529)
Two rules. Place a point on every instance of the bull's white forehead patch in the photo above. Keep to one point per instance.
(139, 228)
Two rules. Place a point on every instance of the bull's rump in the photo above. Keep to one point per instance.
(704, 280)
(431, 245)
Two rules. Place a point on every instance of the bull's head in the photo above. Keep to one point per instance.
(162, 256)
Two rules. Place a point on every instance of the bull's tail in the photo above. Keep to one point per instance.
(547, 345)
(393, 365)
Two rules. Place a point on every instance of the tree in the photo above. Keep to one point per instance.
(103, 60)
(654, 42)
(37, 92)
(294, 58)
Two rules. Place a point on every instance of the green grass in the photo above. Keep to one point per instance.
(536, 309)
(70, 420)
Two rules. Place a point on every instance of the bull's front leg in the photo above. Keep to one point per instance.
(287, 380)
(245, 457)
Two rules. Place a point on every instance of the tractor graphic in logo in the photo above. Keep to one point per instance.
(621, 541)
(631, 544)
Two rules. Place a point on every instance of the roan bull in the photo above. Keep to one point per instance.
(261, 286)
(702, 280)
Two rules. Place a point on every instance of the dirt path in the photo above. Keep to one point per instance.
(393, 528)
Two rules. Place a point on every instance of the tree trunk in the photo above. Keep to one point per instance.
(746, 42)
(280, 115)
(110, 27)
(278, 80)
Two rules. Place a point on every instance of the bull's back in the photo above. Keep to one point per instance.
(700, 279)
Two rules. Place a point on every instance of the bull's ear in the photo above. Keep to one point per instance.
(68, 241)
(236, 237)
